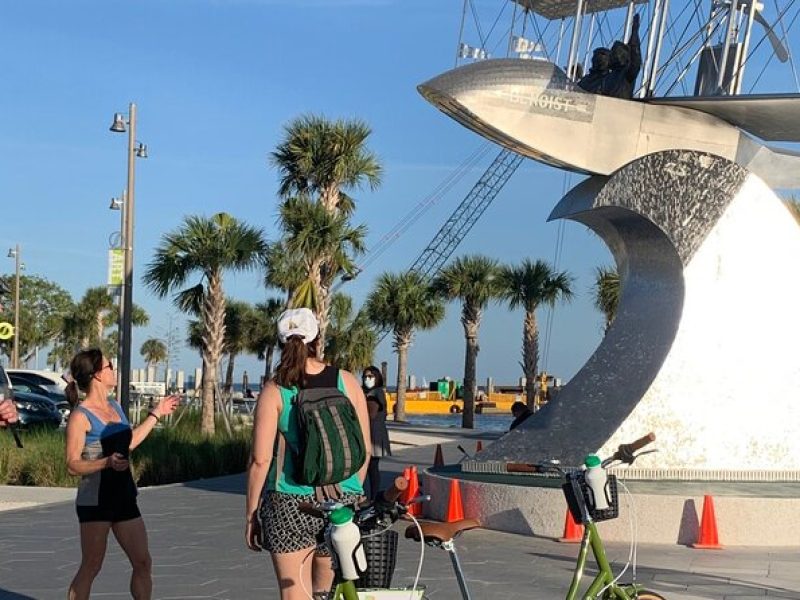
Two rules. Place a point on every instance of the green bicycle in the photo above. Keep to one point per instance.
(580, 500)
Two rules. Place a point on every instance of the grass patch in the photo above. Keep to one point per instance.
(168, 455)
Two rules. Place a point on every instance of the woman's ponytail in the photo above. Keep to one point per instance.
(83, 366)
(72, 393)
(291, 370)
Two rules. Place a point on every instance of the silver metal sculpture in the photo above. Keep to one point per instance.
(703, 349)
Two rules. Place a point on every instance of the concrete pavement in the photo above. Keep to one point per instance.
(196, 539)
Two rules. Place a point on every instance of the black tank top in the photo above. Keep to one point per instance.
(327, 378)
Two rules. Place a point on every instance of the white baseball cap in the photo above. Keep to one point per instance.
(300, 322)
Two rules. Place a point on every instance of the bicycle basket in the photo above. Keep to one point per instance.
(580, 498)
(381, 553)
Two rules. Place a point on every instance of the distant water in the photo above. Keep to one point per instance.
(482, 422)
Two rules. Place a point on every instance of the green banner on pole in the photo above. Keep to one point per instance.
(116, 267)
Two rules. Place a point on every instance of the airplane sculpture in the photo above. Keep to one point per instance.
(531, 107)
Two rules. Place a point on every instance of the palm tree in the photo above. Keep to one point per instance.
(351, 338)
(96, 305)
(208, 247)
(404, 303)
(85, 323)
(325, 244)
(239, 321)
(154, 352)
(284, 270)
(323, 158)
(529, 285)
(110, 345)
(264, 335)
(473, 280)
(606, 293)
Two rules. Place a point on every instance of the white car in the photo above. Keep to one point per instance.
(49, 380)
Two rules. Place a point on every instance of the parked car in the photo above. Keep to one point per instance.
(35, 410)
(50, 380)
(5, 383)
(22, 384)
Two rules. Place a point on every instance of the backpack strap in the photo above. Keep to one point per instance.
(280, 458)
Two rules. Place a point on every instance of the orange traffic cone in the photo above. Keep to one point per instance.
(413, 491)
(455, 510)
(479, 446)
(708, 539)
(404, 497)
(573, 532)
(438, 458)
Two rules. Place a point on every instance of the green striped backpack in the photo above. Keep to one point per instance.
(331, 444)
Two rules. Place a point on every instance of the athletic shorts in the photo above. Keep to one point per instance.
(285, 529)
(108, 514)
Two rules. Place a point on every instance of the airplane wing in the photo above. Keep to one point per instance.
(560, 9)
(771, 117)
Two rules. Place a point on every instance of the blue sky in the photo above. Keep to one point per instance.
(214, 82)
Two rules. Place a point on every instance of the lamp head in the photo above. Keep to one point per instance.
(12, 253)
(118, 126)
(116, 204)
(141, 150)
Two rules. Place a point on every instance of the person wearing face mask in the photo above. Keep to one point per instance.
(372, 382)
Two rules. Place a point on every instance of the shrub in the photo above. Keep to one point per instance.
(170, 454)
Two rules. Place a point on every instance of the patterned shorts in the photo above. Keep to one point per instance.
(285, 529)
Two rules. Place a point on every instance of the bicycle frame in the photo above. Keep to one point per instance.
(345, 591)
(591, 539)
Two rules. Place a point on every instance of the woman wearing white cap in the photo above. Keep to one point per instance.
(274, 522)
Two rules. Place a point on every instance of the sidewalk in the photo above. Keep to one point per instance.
(196, 539)
(16, 496)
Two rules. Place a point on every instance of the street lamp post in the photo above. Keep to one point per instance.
(16, 255)
(120, 204)
(120, 125)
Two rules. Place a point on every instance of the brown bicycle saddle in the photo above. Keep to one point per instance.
(440, 532)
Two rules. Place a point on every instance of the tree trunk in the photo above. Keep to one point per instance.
(229, 374)
(317, 271)
(471, 321)
(100, 327)
(268, 355)
(329, 198)
(530, 356)
(213, 317)
(323, 318)
(402, 342)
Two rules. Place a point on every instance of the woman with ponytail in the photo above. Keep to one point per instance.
(99, 441)
(273, 521)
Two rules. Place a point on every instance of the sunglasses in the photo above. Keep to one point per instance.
(109, 366)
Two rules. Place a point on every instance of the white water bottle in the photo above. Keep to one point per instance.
(596, 480)
(346, 538)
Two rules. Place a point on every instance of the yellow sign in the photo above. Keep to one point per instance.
(116, 266)
(6, 331)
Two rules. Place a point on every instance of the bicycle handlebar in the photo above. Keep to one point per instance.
(394, 491)
(626, 452)
(385, 505)
(642, 442)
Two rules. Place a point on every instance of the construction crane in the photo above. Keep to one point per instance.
(458, 225)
